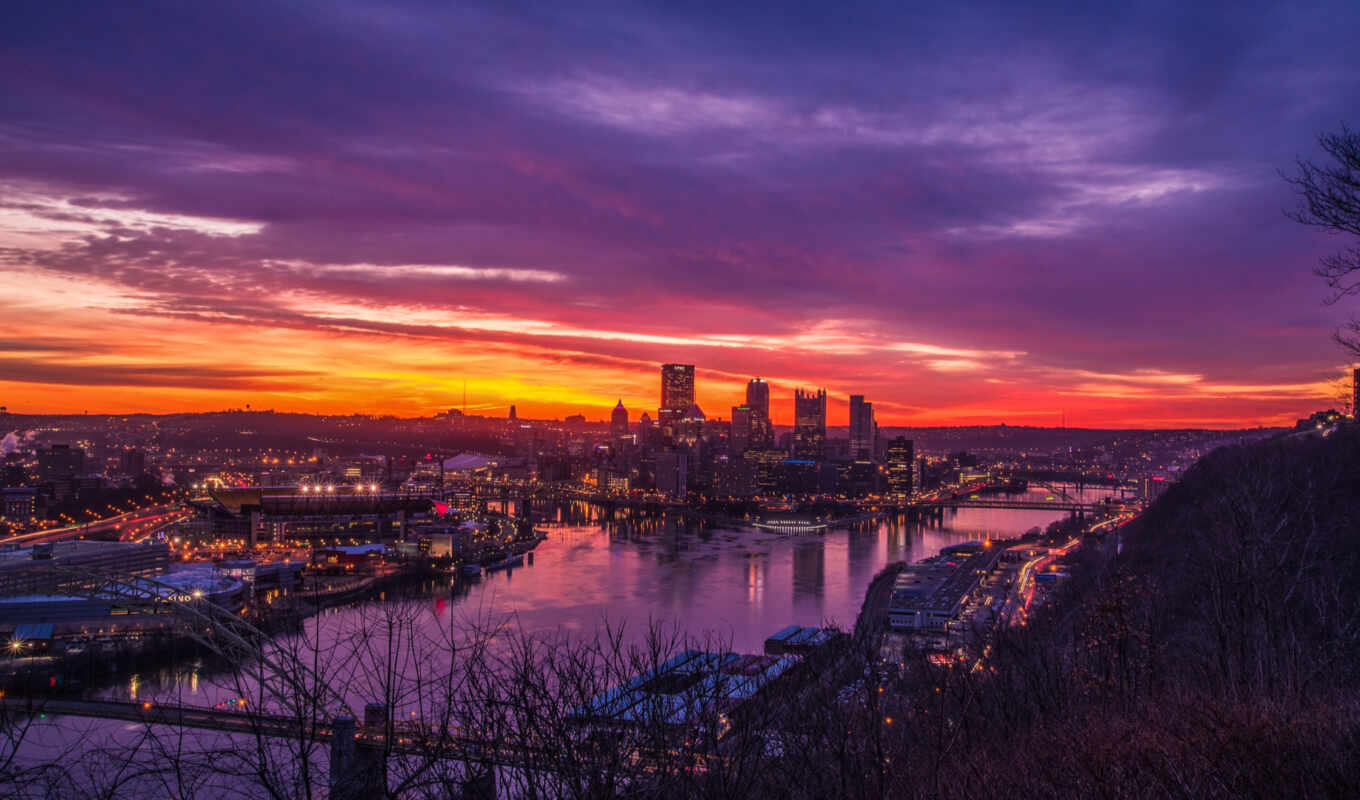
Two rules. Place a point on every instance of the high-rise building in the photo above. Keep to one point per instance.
(645, 429)
(740, 438)
(809, 424)
(758, 396)
(671, 477)
(677, 393)
(861, 428)
(1355, 398)
(618, 423)
(901, 462)
(758, 400)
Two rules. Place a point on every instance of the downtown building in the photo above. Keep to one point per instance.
(901, 464)
(761, 434)
(809, 425)
(618, 425)
(677, 394)
(863, 429)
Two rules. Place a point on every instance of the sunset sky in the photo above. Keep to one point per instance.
(968, 213)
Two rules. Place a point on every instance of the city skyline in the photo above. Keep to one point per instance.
(381, 204)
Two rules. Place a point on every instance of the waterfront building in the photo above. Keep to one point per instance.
(677, 393)
(901, 461)
(66, 565)
(929, 595)
(809, 424)
(862, 428)
(766, 469)
(671, 474)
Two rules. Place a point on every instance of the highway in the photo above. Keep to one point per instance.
(133, 526)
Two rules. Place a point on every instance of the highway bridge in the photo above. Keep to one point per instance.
(1009, 503)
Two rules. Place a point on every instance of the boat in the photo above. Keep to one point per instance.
(471, 571)
(516, 560)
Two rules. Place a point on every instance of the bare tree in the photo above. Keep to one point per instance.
(1330, 200)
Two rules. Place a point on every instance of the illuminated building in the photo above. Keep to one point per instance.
(18, 504)
(809, 424)
(901, 461)
(740, 439)
(861, 428)
(618, 423)
(677, 393)
(758, 400)
(690, 426)
(758, 396)
(765, 469)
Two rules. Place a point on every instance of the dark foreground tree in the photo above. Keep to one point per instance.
(1330, 199)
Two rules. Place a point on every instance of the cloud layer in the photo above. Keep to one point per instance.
(969, 215)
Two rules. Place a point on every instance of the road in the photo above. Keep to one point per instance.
(134, 525)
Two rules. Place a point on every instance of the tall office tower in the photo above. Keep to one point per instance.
(1355, 399)
(861, 428)
(645, 429)
(758, 395)
(758, 400)
(677, 393)
(740, 439)
(809, 424)
(901, 462)
(618, 423)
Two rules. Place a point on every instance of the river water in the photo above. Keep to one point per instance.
(717, 587)
(733, 586)
(738, 586)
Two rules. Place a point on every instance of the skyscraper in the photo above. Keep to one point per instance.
(1355, 398)
(758, 400)
(677, 393)
(901, 457)
(618, 423)
(740, 439)
(809, 424)
(758, 396)
(861, 428)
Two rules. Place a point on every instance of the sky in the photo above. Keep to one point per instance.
(971, 213)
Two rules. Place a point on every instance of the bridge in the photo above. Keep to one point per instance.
(393, 736)
(1009, 503)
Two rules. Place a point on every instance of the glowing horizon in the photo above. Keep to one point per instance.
(184, 231)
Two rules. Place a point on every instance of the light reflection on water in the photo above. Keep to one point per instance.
(733, 586)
